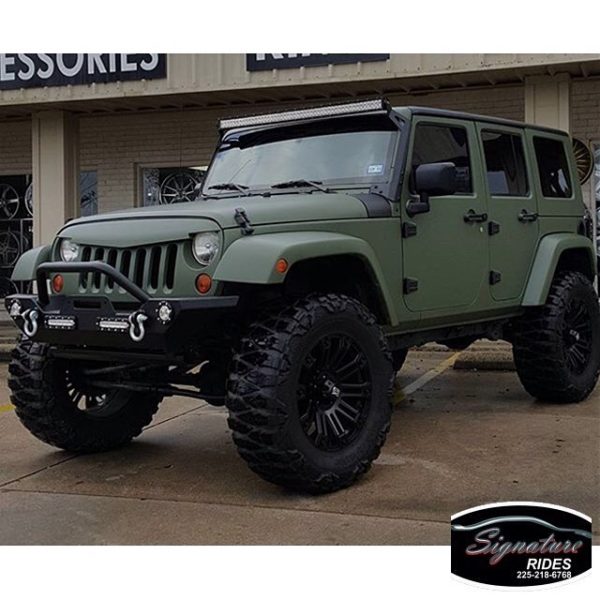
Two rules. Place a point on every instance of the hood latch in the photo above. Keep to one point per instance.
(241, 218)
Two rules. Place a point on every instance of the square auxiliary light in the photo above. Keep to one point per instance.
(349, 108)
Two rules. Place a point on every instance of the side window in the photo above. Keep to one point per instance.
(442, 143)
(505, 163)
(553, 168)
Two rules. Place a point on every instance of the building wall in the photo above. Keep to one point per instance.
(223, 73)
(507, 102)
(116, 145)
(15, 148)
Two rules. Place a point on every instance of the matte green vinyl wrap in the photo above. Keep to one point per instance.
(214, 213)
(28, 263)
(252, 259)
(547, 256)
(129, 233)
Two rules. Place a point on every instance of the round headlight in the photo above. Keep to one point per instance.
(205, 247)
(68, 250)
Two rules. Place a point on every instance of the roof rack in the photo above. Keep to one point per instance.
(348, 108)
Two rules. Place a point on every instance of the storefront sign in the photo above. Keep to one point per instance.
(266, 62)
(41, 70)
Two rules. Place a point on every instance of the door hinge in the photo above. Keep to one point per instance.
(409, 229)
(493, 228)
(241, 218)
(410, 285)
(495, 277)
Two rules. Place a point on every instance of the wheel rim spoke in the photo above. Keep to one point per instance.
(334, 392)
(577, 336)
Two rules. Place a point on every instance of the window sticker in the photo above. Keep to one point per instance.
(375, 169)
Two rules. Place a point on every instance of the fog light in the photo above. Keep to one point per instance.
(15, 309)
(58, 283)
(203, 283)
(164, 312)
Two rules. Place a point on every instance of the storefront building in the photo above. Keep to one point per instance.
(86, 133)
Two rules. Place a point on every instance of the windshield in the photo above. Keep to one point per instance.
(356, 150)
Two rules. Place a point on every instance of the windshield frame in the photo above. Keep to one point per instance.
(387, 184)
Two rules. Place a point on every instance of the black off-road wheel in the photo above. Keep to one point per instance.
(309, 394)
(556, 347)
(58, 405)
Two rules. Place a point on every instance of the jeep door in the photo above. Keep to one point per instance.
(445, 251)
(513, 225)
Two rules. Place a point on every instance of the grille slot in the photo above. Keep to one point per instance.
(170, 266)
(97, 277)
(152, 268)
(112, 261)
(138, 274)
(155, 255)
(84, 277)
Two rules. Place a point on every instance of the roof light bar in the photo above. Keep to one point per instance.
(350, 108)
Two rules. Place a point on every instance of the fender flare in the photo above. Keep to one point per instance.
(28, 263)
(252, 259)
(548, 253)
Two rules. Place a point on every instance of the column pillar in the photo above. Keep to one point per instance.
(55, 172)
(547, 101)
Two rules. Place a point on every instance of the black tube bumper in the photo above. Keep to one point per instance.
(160, 325)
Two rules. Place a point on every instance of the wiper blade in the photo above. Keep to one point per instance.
(301, 183)
(229, 186)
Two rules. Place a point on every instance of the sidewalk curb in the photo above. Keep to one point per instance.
(494, 360)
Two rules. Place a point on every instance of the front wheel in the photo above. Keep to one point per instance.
(556, 347)
(58, 404)
(309, 394)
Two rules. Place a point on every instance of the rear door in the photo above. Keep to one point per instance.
(513, 225)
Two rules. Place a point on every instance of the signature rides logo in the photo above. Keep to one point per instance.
(520, 544)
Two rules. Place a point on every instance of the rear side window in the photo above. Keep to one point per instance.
(505, 163)
(553, 168)
(441, 143)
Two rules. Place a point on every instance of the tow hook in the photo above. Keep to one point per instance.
(30, 322)
(136, 326)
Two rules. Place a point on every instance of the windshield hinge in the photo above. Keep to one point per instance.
(241, 218)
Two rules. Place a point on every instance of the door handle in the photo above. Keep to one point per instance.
(473, 217)
(527, 217)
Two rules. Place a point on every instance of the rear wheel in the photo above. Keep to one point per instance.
(59, 405)
(309, 394)
(556, 347)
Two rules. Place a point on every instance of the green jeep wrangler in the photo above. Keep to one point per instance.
(323, 244)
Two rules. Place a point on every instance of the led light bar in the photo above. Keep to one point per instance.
(60, 322)
(349, 108)
(113, 325)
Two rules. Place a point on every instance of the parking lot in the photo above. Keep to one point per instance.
(459, 438)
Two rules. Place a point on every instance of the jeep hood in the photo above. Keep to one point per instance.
(167, 222)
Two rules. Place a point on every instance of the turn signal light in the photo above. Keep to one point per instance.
(203, 283)
(281, 266)
(58, 283)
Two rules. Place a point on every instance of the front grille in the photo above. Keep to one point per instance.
(150, 267)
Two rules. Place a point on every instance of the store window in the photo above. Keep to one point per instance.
(505, 163)
(88, 193)
(440, 143)
(16, 220)
(552, 167)
(168, 185)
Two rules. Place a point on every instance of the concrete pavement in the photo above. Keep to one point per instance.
(459, 438)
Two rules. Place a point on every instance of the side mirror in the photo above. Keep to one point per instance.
(432, 179)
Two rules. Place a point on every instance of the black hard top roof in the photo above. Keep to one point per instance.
(453, 114)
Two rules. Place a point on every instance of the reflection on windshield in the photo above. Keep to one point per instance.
(329, 158)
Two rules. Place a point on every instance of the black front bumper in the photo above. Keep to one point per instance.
(160, 325)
